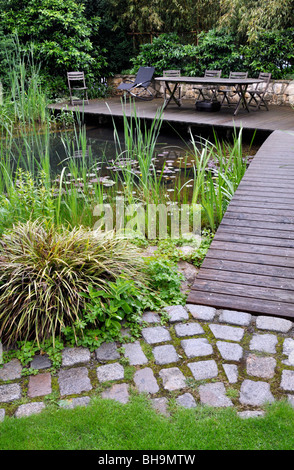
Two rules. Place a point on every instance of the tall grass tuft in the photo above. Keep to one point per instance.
(24, 101)
(44, 272)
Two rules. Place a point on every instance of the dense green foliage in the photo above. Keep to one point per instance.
(218, 49)
(249, 18)
(272, 51)
(166, 52)
(59, 34)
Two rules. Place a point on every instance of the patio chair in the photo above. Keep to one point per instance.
(229, 92)
(258, 94)
(202, 89)
(76, 83)
(172, 73)
(138, 88)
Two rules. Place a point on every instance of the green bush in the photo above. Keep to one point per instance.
(165, 281)
(272, 52)
(217, 50)
(165, 53)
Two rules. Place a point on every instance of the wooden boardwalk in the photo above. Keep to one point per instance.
(250, 264)
(278, 118)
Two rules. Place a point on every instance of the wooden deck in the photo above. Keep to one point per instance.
(278, 118)
(250, 264)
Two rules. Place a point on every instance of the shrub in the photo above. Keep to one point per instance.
(217, 50)
(273, 52)
(165, 53)
(44, 274)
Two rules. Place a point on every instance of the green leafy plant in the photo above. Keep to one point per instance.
(105, 311)
(165, 281)
(270, 51)
(166, 52)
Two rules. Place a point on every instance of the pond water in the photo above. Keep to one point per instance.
(173, 150)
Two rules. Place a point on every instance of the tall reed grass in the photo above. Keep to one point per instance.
(30, 189)
(214, 185)
(24, 100)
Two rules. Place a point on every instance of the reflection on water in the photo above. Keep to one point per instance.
(97, 151)
(101, 153)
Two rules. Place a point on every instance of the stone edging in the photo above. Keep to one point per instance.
(202, 356)
(280, 92)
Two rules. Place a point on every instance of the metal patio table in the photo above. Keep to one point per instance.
(240, 84)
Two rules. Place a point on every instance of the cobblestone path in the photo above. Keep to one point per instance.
(202, 356)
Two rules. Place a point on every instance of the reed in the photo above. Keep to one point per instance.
(214, 185)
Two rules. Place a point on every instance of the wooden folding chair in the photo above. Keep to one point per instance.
(258, 94)
(172, 73)
(76, 83)
(229, 92)
(202, 89)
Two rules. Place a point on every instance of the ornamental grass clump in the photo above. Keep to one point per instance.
(45, 272)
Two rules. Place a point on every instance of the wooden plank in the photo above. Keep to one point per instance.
(253, 248)
(246, 279)
(259, 217)
(233, 302)
(256, 258)
(257, 177)
(272, 200)
(258, 223)
(253, 209)
(236, 203)
(230, 288)
(227, 236)
(256, 232)
(266, 186)
(249, 268)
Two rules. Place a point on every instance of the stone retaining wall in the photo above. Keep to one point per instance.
(280, 92)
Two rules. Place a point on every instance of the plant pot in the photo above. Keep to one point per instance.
(208, 106)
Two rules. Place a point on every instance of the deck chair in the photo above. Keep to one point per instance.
(76, 83)
(139, 87)
(229, 92)
(172, 73)
(202, 89)
(258, 94)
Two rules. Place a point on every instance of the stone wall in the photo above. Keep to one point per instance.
(280, 92)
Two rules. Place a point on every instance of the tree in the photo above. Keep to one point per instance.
(57, 29)
(250, 17)
(59, 32)
(117, 44)
(175, 16)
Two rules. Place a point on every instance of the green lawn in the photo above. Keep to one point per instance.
(108, 425)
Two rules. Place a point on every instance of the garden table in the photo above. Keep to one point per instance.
(240, 84)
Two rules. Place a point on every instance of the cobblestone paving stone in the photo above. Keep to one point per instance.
(201, 356)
